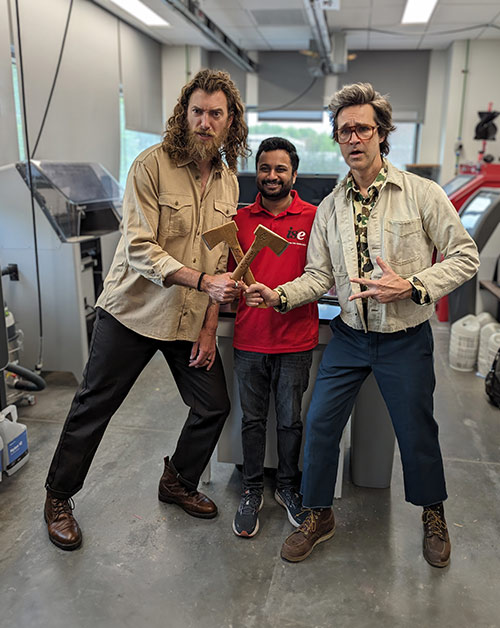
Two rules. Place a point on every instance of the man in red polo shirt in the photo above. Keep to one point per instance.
(273, 352)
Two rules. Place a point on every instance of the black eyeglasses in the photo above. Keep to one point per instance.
(363, 132)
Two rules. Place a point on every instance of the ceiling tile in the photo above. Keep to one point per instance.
(477, 3)
(464, 14)
(381, 42)
(348, 17)
(236, 18)
(357, 41)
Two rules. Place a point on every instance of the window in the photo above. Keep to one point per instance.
(131, 143)
(17, 105)
(318, 153)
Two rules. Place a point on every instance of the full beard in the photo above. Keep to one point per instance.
(282, 191)
(201, 150)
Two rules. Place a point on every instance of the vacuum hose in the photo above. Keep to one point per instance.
(31, 381)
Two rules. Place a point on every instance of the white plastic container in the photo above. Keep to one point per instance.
(15, 440)
(493, 346)
(483, 361)
(485, 318)
(464, 343)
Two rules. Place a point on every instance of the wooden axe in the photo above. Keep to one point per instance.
(227, 233)
(263, 237)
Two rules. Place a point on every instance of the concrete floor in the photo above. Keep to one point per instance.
(146, 563)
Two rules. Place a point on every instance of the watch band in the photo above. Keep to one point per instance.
(281, 307)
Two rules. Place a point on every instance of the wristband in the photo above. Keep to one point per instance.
(198, 287)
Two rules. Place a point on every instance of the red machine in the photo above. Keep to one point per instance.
(469, 179)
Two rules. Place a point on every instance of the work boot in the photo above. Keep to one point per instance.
(437, 546)
(319, 526)
(63, 528)
(192, 501)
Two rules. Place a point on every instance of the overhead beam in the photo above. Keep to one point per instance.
(194, 15)
(319, 28)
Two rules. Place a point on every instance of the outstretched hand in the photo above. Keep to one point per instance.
(390, 287)
(258, 293)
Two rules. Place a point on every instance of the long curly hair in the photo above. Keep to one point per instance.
(364, 94)
(176, 133)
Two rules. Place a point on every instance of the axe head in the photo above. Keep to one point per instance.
(224, 233)
(266, 237)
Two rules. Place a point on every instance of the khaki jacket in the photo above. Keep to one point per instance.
(163, 219)
(411, 217)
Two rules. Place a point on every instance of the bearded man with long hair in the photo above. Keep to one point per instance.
(162, 293)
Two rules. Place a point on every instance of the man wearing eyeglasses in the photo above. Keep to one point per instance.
(373, 238)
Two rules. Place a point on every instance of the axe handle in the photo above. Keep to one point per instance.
(247, 274)
(244, 264)
(237, 252)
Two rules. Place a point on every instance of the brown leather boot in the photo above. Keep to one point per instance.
(319, 526)
(437, 546)
(63, 528)
(193, 502)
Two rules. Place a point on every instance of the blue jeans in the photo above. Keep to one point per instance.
(402, 363)
(287, 376)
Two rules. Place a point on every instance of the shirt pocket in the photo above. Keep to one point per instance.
(224, 212)
(343, 287)
(403, 245)
(176, 215)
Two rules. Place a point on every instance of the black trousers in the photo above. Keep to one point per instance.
(117, 357)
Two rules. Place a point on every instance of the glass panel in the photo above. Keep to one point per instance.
(456, 183)
(476, 208)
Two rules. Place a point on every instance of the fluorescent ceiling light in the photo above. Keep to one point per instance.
(143, 13)
(418, 11)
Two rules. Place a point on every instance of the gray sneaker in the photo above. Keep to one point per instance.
(246, 520)
(292, 502)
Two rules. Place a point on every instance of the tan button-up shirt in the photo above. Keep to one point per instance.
(164, 216)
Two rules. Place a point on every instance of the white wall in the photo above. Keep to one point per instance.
(179, 64)
(83, 119)
(83, 123)
(432, 131)
(481, 87)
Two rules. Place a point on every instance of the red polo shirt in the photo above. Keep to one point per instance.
(265, 330)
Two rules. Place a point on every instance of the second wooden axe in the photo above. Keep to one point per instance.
(263, 237)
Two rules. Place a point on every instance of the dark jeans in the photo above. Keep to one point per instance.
(402, 363)
(117, 356)
(287, 376)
